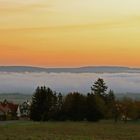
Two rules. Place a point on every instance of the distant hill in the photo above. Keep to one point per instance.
(20, 98)
(15, 97)
(90, 69)
(134, 96)
(21, 69)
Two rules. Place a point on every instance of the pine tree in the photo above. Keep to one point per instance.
(43, 104)
(99, 87)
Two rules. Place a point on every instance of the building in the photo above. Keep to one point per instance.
(8, 110)
(23, 110)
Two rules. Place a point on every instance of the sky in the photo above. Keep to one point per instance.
(70, 33)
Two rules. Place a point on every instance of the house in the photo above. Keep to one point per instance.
(8, 110)
(23, 110)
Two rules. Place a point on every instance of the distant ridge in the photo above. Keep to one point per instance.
(21, 69)
(88, 69)
(20, 98)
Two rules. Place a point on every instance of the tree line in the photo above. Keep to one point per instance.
(98, 104)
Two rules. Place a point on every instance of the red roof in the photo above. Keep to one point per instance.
(8, 107)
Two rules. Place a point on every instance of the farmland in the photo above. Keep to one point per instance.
(103, 130)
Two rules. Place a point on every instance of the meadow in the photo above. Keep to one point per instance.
(104, 130)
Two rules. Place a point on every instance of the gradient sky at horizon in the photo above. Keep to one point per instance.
(68, 33)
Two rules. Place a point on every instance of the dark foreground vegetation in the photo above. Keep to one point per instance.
(103, 130)
(48, 105)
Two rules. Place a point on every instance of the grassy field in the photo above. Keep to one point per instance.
(69, 131)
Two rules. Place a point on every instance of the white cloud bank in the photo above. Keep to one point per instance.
(67, 82)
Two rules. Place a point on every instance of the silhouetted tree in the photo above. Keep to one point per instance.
(57, 113)
(129, 109)
(93, 112)
(48, 105)
(74, 106)
(43, 104)
(60, 101)
(110, 103)
(36, 106)
(99, 88)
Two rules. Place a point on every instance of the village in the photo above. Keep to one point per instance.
(12, 111)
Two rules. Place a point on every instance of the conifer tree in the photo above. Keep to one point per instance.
(43, 104)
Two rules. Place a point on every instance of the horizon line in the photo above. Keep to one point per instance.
(82, 66)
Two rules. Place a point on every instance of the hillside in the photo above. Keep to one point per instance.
(90, 69)
(20, 98)
(15, 97)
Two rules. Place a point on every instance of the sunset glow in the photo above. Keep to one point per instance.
(69, 33)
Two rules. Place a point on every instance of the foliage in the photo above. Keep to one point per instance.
(99, 87)
(43, 104)
(99, 104)
(94, 112)
(74, 106)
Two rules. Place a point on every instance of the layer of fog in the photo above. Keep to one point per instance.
(67, 82)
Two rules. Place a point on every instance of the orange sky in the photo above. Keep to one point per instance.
(69, 33)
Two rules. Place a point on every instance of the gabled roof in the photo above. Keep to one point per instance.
(8, 107)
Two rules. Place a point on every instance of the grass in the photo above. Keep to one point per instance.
(105, 130)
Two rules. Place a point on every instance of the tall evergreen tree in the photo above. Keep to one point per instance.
(36, 106)
(43, 104)
(99, 87)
